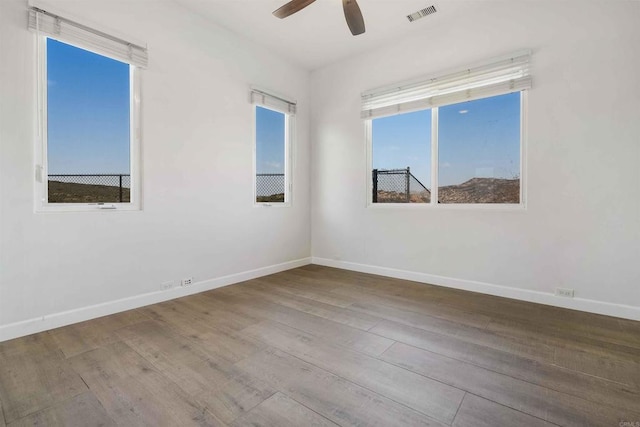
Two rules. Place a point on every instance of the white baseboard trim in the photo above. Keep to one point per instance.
(591, 306)
(56, 320)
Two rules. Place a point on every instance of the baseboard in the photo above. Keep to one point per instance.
(591, 306)
(56, 320)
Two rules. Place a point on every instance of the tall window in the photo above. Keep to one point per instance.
(451, 140)
(88, 127)
(273, 130)
(88, 147)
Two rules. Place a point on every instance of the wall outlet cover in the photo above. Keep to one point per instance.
(565, 292)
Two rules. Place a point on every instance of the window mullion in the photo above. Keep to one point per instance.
(43, 122)
(368, 131)
(135, 137)
(288, 130)
(523, 146)
(434, 155)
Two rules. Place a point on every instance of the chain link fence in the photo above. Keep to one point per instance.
(81, 188)
(269, 187)
(398, 186)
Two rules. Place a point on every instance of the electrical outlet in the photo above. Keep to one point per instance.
(564, 292)
(187, 281)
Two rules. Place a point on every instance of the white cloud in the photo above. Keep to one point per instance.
(273, 165)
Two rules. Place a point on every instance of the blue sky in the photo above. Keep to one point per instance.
(88, 99)
(88, 127)
(270, 133)
(475, 139)
(404, 140)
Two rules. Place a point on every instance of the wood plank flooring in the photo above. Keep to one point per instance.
(317, 346)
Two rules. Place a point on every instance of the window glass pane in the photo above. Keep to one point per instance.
(401, 152)
(479, 151)
(88, 138)
(270, 156)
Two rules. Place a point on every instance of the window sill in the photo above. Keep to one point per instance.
(451, 206)
(81, 207)
(272, 205)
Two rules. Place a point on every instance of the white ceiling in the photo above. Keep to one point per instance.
(318, 35)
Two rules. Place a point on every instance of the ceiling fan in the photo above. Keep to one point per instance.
(351, 13)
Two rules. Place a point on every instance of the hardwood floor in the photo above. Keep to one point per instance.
(317, 346)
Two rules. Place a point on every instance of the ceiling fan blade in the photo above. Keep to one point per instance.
(292, 7)
(354, 18)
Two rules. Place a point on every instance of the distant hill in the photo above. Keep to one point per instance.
(70, 192)
(475, 190)
(481, 190)
(274, 198)
(395, 197)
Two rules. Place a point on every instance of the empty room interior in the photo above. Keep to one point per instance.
(320, 213)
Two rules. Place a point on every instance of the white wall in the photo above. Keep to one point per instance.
(198, 218)
(581, 228)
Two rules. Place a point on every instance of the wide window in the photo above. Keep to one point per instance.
(88, 103)
(273, 129)
(456, 139)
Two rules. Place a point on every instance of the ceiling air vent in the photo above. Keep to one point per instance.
(421, 13)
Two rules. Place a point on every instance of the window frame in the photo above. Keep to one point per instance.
(433, 204)
(289, 136)
(41, 159)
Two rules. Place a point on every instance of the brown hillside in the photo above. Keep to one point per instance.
(274, 198)
(475, 190)
(482, 190)
(396, 197)
(70, 192)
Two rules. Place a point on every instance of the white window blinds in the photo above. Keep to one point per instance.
(71, 32)
(499, 77)
(273, 102)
